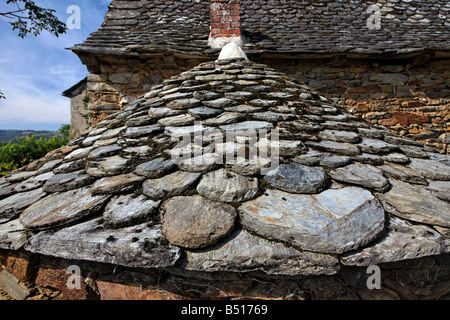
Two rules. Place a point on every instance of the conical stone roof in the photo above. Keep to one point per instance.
(174, 181)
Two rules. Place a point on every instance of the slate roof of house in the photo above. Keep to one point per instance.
(344, 191)
(274, 26)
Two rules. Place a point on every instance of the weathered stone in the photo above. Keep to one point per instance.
(440, 188)
(114, 165)
(196, 222)
(20, 176)
(374, 146)
(220, 103)
(239, 95)
(249, 168)
(182, 104)
(362, 175)
(339, 136)
(390, 78)
(171, 185)
(105, 142)
(247, 125)
(311, 158)
(48, 166)
(206, 95)
(202, 163)
(403, 173)
(136, 246)
(414, 151)
(226, 186)
(13, 206)
(204, 112)
(333, 221)
(163, 112)
(402, 241)
(67, 181)
(34, 182)
(12, 285)
(136, 132)
(297, 178)
(126, 210)
(330, 161)
(103, 152)
(263, 103)
(13, 235)
(430, 169)
(279, 95)
(112, 133)
(243, 108)
(225, 118)
(273, 116)
(155, 168)
(117, 184)
(243, 252)
(416, 203)
(7, 189)
(345, 149)
(176, 121)
(396, 158)
(61, 209)
(70, 166)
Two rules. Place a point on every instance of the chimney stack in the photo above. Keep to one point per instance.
(225, 23)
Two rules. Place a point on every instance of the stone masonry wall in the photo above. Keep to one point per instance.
(409, 96)
(118, 81)
(26, 276)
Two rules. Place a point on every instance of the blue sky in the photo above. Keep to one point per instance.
(34, 71)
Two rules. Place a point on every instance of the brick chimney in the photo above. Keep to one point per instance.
(225, 23)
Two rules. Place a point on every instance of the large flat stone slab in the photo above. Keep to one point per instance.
(297, 178)
(430, 169)
(67, 181)
(334, 221)
(126, 210)
(170, 185)
(61, 208)
(244, 252)
(226, 186)
(196, 222)
(416, 203)
(13, 206)
(117, 184)
(402, 241)
(155, 168)
(364, 175)
(136, 246)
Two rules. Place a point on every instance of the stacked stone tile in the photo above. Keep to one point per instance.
(134, 27)
(345, 193)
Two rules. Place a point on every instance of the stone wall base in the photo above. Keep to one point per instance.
(33, 277)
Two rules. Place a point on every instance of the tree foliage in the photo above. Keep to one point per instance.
(26, 150)
(28, 18)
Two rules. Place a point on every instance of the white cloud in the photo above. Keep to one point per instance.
(35, 71)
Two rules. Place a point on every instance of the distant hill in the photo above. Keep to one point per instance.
(11, 135)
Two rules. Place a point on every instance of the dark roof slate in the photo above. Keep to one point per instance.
(274, 26)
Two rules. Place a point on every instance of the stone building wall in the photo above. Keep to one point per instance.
(409, 96)
(411, 100)
(33, 277)
(117, 81)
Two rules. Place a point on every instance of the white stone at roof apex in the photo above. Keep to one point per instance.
(232, 51)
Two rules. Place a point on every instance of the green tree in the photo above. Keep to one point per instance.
(28, 18)
(24, 151)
